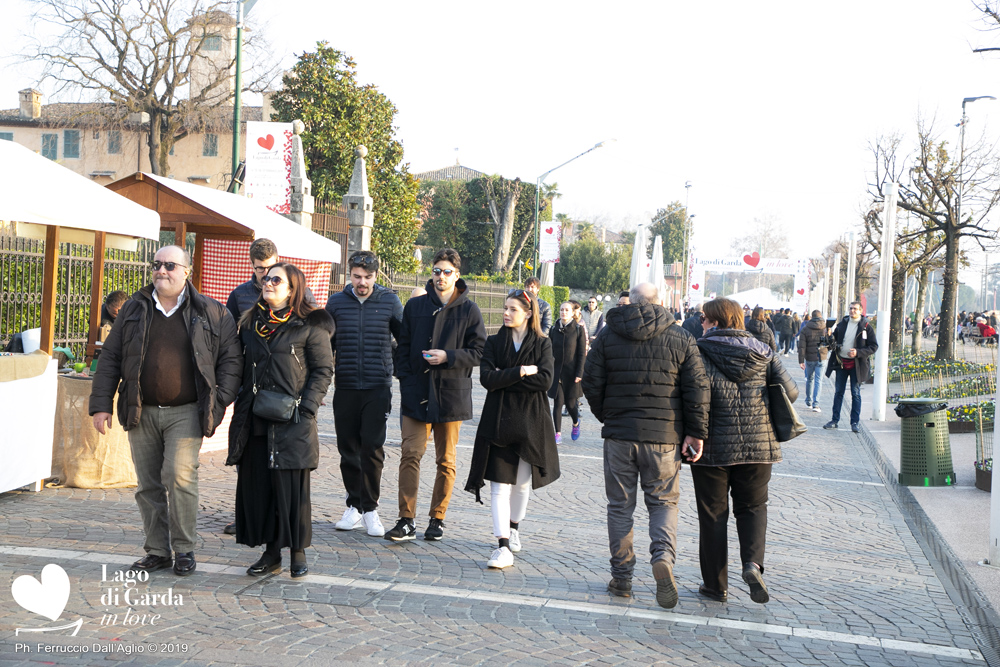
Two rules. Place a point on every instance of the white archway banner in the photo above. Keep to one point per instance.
(751, 263)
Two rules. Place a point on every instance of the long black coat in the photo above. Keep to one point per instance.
(569, 352)
(644, 378)
(443, 393)
(516, 412)
(297, 361)
(864, 342)
(762, 332)
(740, 367)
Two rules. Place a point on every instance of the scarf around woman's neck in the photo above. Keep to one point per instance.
(268, 321)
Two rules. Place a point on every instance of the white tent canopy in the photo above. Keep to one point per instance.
(759, 296)
(36, 192)
(293, 239)
(639, 272)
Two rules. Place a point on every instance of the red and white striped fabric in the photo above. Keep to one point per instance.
(227, 264)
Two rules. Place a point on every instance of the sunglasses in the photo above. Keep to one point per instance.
(274, 280)
(518, 293)
(169, 266)
(446, 272)
(363, 260)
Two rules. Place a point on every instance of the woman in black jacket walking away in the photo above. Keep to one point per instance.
(569, 352)
(515, 446)
(287, 353)
(757, 326)
(739, 451)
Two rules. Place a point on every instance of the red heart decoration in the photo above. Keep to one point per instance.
(548, 230)
(267, 143)
(753, 260)
(695, 286)
(801, 291)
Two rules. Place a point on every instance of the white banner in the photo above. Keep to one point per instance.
(749, 263)
(548, 242)
(268, 177)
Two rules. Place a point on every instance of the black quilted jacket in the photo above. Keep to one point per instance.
(740, 367)
(762, 332)
(644, 379)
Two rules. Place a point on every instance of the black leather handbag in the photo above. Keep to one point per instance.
(274, 405)
(785, 420)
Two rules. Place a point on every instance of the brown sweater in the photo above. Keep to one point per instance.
(167, 377)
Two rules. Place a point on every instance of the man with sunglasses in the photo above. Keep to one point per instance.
(441, 341)
(175, 361)
(368, 318)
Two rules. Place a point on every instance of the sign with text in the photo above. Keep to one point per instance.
(749, 263)
(268, 177)
(548, 242)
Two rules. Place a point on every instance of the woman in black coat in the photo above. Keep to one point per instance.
(569, 352)
(515, 445)
(287, 351)
(758, 326)
(740, 448)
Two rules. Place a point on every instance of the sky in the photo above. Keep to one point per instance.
(767, 109)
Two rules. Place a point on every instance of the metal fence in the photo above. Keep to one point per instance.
(488, 296)
(330, 220)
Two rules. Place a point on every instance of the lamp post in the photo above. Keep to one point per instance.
(961, 153)
(243, 8)
(538, 188)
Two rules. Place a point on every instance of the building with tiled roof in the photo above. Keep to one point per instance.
(454, 173)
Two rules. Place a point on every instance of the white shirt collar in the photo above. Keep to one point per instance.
(159, 306)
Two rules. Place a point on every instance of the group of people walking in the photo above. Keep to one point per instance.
(177, 358)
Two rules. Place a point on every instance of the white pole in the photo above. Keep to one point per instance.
(993, 549)
(824, 307)
(835, 295)
(884, 313)
(852, 258)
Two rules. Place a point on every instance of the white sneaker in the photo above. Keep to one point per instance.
(515, 541)
(373, 523)
(350, 520)
(816, 408)
(500, 558)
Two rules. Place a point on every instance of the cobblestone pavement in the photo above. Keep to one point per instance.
(850, 584)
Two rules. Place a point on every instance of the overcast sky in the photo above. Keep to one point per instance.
(767, 108)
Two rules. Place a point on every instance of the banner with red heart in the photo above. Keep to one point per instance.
(267, 143)
(548, 230)
(801, 291)
(753, 259)
(695, 286)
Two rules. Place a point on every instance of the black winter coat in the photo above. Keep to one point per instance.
(740, 368)
(693, 326)
(864, 343)
(516, 413)
(443, 393)
(217, 358)
(365, 333)
(762, 332)
(809, 339)
(569, 352)
(644, 378)
(297, 361)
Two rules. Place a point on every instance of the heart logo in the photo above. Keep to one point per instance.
(753, 260)
(47, 598)
(548, 230)
(267, 143)
(695, 286)
(801, 291)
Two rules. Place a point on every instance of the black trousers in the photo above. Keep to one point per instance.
(712, 485)
(359, 416)
(785, 342)
(572, 407)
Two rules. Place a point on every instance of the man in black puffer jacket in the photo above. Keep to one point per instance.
(368, 318)
(645, 381)
(811, 358)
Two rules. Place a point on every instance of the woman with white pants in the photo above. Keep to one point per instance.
(515, 446)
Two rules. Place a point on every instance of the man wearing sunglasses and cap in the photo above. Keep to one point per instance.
(175, 360)
(441, 341)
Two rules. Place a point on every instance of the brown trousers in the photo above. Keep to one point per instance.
(415, 437)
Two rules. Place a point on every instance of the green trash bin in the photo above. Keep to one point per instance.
(924, 446)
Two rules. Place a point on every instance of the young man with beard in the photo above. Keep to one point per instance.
(441, 341)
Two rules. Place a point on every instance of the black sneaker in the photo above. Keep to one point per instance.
(830, 424)
(435, 530)
(404, 530)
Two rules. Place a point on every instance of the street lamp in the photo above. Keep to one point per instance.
(961, 153)
(538, 188)
(687, 226)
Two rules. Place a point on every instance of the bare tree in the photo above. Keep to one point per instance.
(139, 57)
(502, 217)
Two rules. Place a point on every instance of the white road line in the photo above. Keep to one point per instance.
(535, 601)
(827, 479)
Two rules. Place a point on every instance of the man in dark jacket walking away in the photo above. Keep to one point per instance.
(854, 343)
(441, 341)
(810, 357)
(645, 381)
(693, 324)
(174, 358)
(367, 317)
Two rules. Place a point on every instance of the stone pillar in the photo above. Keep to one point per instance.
(359, 206)
(302, 204)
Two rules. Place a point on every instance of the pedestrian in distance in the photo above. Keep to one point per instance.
(623, 298)
(174, 359)
(740, 449)
(288, 361)
(693, 323)
(569, 351)
(854, 342)
(796, 330)
(534, 285)
(645, 381)
(812, 356)
(592, 318)
(368, 318)
(515, 447)
(441, 340)
(113, 303)
(757, 326)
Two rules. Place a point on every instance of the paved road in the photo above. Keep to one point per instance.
(850, 584)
